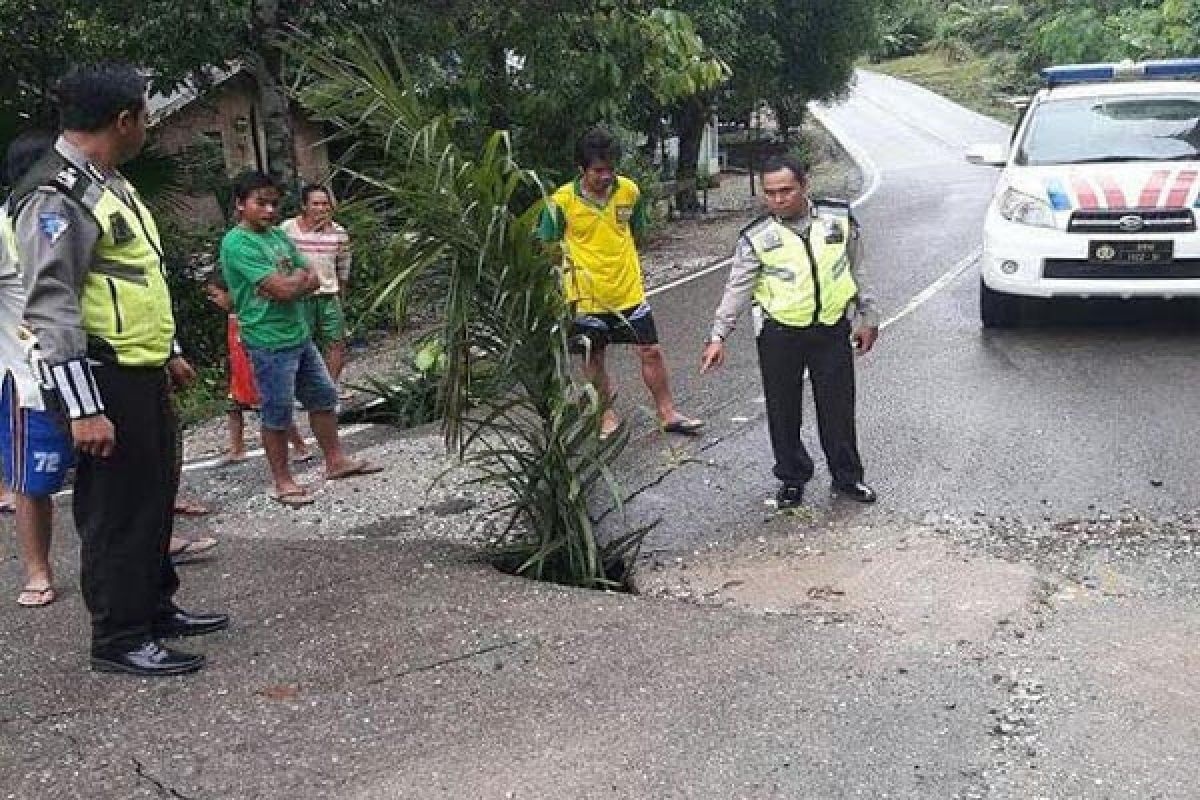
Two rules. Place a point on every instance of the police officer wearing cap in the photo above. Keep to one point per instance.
(800, 266)
(98, 303)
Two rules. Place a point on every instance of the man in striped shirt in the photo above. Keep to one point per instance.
(325, 246)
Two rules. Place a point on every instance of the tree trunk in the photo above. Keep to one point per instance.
(496, 94)
(266, 64)
(689, 122)
(788, 115)
(753, 157)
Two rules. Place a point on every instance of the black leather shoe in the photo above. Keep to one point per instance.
(184, 623)
(789, 497)
(856, 491)
(148, 659)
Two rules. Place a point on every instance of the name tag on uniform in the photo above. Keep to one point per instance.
(624, 214)
(770, 240)
(121, 232)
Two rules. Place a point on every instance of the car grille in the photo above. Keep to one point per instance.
(1169, 220)
(1075, 268)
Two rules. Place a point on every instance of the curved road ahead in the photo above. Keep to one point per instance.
(1090, 409)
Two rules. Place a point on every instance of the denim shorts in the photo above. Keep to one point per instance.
(36, 451)
(285, 376)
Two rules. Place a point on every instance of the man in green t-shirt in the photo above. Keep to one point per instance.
(267, 279)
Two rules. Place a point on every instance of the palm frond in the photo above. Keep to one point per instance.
(512, 408)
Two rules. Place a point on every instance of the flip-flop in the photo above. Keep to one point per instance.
(354, 470)
(294, 499)
(191, 549)
(7, 507)
(685, 425)
(191, 508)
(303, 458)
(36, 598)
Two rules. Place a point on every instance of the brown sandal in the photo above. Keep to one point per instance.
(355, 469)
(293, 499)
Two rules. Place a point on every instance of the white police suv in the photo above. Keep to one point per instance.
(1099, 192)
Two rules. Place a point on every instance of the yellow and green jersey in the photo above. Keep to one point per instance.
(601, 270)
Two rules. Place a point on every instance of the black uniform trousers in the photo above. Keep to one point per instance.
(784, 352)
(124, 509)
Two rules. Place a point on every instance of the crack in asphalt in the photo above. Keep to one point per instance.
(163, 789)
(38, 719)
(441, 663)
(675, 467)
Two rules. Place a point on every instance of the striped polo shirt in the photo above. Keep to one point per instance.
(326, 250)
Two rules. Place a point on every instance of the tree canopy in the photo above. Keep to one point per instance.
(1021, 36)
(542, 69)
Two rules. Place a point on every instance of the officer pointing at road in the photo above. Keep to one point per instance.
(800, 265)
(98, 303)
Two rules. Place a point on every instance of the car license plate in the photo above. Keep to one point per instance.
(1131, 253)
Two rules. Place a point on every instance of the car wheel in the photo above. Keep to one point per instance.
(997, 309)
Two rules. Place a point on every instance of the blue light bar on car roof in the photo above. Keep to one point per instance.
(1124, 70)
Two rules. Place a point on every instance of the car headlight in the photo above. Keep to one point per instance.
(1025, 209)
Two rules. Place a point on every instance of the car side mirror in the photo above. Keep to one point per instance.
(987, 155)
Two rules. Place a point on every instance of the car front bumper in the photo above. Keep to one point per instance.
(1016, 259)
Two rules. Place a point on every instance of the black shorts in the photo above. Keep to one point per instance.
(631, 326)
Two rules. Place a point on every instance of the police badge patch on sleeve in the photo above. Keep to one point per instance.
(52, 225)
(624, 214)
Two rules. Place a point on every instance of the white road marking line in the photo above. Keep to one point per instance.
(865, 163)
(933, 288)
(725, 262)
(217, 461)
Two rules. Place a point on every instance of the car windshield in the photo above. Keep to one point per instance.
(1131, 128)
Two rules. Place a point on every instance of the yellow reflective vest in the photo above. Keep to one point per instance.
(125, 301)
(804, 280)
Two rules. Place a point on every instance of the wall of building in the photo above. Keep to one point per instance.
(226, 116)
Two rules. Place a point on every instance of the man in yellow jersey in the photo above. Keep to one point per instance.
(595, 219)
(801, 268)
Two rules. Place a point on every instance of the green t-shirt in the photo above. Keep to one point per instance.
(247, 258)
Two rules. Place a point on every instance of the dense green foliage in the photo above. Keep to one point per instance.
(1022, 36)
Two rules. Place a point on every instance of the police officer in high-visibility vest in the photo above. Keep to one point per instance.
(800, 266)
(97, 301)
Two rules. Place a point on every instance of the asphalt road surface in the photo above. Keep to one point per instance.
(1090, 406)
(1035, 534)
